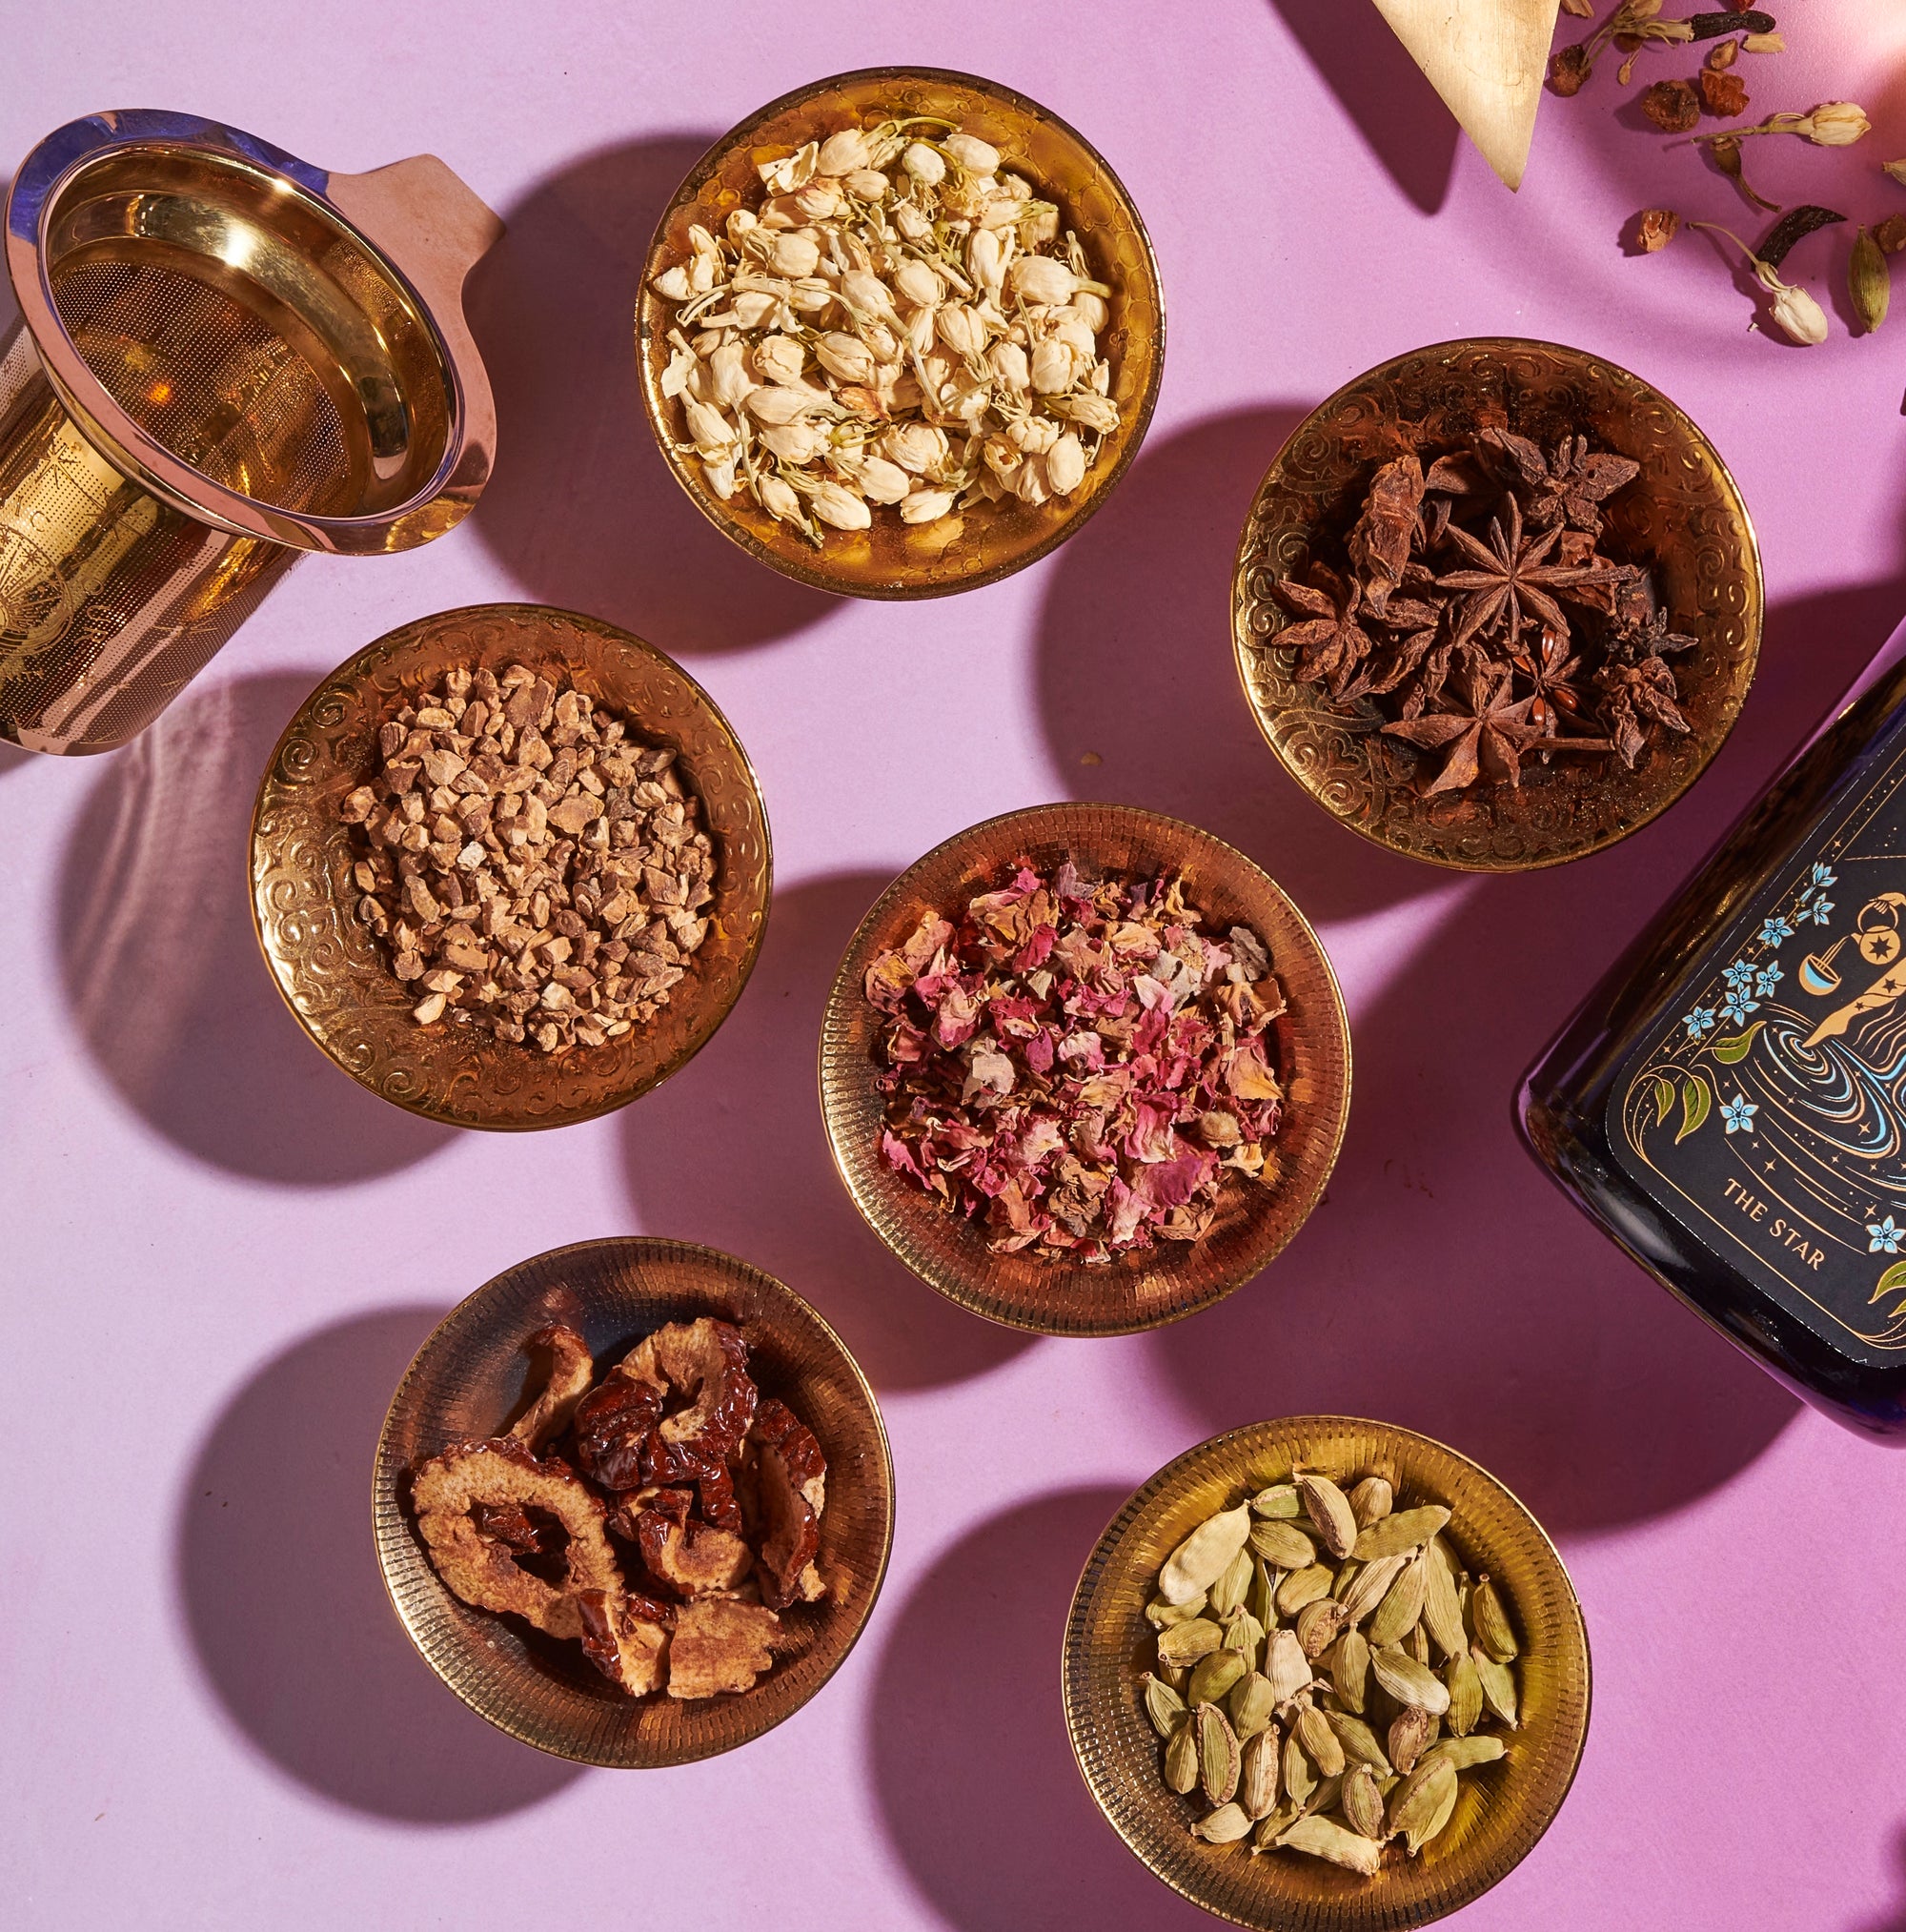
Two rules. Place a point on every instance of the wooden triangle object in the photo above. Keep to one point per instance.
(1488, 59)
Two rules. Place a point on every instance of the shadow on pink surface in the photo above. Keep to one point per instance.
(1382, 90)
(582, 510)
(1136, 669)
(1488, 1312)
(1895, 1919)
(161, 965)
(732, 1153)
(981, 1794)
(279, 1584)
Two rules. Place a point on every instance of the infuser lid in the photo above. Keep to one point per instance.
(276, 350)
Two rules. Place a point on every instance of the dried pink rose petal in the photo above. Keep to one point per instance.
(1077, 1064)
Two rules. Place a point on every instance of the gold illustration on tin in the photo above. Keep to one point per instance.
(1779, 1113)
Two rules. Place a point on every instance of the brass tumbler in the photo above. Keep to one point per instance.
(226, 358)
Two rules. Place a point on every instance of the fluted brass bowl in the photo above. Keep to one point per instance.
(1683, 516)
(467, 1380)
(334, 976)
(1173, 1279)
(893, 559)
(1503, 1808)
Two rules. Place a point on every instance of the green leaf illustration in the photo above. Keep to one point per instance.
(1696, 1104)
(1894, 1277)
(1664, 1099)
(1735, 1048)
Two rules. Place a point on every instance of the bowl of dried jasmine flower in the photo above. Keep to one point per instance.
(1326, 1673)
(1497, 604)
(509, 867)
(1085, 1068)
(899, 332)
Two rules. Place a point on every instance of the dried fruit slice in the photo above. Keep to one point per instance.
(791, 1490)
(614, 1423)
(446, 1492)
(572, 1368)
(705, 1363)
(719, 1644)
(691, 1556)
(625, 1638)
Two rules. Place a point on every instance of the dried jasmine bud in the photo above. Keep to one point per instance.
(1833, 124)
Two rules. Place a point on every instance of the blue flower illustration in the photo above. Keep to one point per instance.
(1824, 875)
(1738, 1113)
(1737, 1006)
(1740, 973)
(1700, 1020)
(1886, 1237)
(1775, 931)
(1823, 909)
(1768, 978)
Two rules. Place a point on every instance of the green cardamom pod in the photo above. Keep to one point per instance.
(1321, 1743)
(1329, 1509)
(1466, 1753)
(1163, 1705)
(1164, 1615)
(1361, 1801)
(1350, 1669)
(1359, 1740)
(1261, 1598)
(1186, 1642)
(1498, 1682)
(1410, 1736)
(1442, 1607)
(1180, 1758)
(1321, 1839)
(1258, 1774)
(1411, 1682)
(1466, 1693)
(1299, 1779)
(1217, 1755)
(1868, 282)
(1214, 1678)
(1398, 1534)
(1251, 1705)
(1396, 1615)
(1284, 1546)
(1279, 1500)
(1304, 1586)
(1319, 1624)
(1245, 1635)
(1225, 1826)
(1490, 1622)
(1418, 1799)
(1370, 1499)
(1371, 1584)
(1228, 1592)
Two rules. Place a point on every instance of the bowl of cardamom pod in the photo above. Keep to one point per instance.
(1324, 1675)
(1497, 604)
(900, 332)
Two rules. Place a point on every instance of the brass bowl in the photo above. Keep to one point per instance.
(467, 1380)
(896, 560)
(1163, 1284)
(1683, 516)
(334, 976)
(1503, 1808)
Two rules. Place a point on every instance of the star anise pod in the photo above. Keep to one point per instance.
(1634, 697)
(1512, 577)
(1379, 546)
(1552, 671)
(1483, 735)
(1567, 486)
(1648, 637)
(1333, 642)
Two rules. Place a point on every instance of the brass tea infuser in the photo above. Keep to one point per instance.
(227, 357)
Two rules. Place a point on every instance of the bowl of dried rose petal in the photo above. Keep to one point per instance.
(899, 332)
(1327, 1673)
(634, 1502)
(1497, 604)
(509, 867)
(1085, 1068)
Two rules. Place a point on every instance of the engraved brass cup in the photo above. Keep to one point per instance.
(1502, 1809)
(227, 357)
(982, 544)
(1683, 516)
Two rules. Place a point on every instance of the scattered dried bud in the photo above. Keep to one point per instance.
(1896, 169)
(1799, 317)
(1868, 282)
(1656, 228)
(1672, 106)
(1723, 95)
(1569, 69)
(1835, 124)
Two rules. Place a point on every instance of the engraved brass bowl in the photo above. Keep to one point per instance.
(1174, 1279)
(1683, 516)
(1503, 1808)
(467, 1380)
(896, 560)
(335, 977)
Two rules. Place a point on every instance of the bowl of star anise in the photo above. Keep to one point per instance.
(1497, 604)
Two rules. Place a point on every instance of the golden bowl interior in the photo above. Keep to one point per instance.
(333, 974)
(469, 1380)
(1683, 516)
(1161, 1285)
(1503, 1808)
(896, 560)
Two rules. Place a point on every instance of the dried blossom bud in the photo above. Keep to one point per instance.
(1797, 314)
(1672, 106)
(1896, 169)
(835, 504)
(1868, 282)
(975, 155)
(1569, 69)
(844, 152)
(1656, 228)
(1891, 234)
(1724, 96)
(1724, 149)
(1835, 124)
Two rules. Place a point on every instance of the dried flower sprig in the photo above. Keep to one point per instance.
(1833, 124)
(1724, 150)
(1794, 310)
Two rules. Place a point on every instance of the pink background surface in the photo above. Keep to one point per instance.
(220, 1254)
